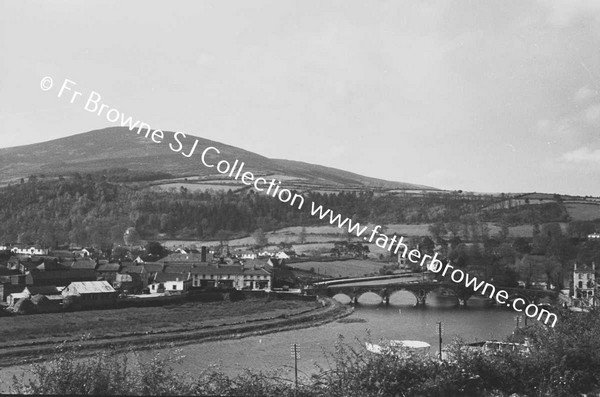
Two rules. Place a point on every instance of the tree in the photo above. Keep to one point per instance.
(580, 229)
(302, 235)
(589, 252)
(521, 245)
(453, 228)
(260, 238)
(504, 232)
(437, 230)
(131, 236)
(154, 248)
(426, 245)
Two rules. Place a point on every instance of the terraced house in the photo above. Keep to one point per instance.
(231, 276)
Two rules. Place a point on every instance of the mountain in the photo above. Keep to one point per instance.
(118, 147)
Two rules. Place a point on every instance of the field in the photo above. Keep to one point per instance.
(583, 211)
(349, 268)
(118, 322)
(322, 237)
(198, 187)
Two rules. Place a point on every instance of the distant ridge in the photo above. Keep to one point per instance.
(118, 147)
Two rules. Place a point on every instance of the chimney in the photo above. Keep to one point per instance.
(203, 257)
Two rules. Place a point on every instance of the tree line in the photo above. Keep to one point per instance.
(95, 209)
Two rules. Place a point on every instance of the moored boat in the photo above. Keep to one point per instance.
(399, 347)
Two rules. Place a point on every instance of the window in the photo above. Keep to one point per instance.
(174, 286)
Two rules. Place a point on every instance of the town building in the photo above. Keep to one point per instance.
(171, 283)
(50, 291)
(231, 276)
(584, 286)
(91, 293)
(29, 250)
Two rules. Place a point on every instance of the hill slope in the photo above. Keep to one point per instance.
(118, 147)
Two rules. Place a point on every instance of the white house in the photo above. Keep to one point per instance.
(30, 250)
(231, 276)
(248, 255)
(584, 286)
(282, 255)
(178, 283)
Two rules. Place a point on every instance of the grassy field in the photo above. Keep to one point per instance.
(321, 237)
(118, 322)
(349, 268)
(583, 211)
(198, 187)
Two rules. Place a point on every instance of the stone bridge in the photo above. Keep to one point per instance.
(421, 289)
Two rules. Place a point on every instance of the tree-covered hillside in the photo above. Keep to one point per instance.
(98, 208)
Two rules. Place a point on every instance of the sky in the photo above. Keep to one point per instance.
(494, 96)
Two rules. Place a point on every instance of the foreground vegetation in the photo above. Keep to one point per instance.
(565, 361)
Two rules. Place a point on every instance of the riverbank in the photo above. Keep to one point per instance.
(210, 322)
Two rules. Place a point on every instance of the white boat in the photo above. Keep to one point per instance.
(400, 347)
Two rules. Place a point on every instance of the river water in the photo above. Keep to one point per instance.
(399, 320)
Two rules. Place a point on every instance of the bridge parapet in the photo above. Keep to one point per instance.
(420, 290)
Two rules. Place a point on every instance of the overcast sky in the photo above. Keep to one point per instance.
(475, 95)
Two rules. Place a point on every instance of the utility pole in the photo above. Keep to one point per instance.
(440, 337)
(295, 356)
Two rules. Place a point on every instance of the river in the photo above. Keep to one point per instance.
(399, 320)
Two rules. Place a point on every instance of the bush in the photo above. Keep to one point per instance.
(105, 373)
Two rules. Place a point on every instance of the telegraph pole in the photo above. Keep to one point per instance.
(440, 337)
(295, 356)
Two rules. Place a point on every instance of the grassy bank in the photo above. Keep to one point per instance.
(37, 335)
(118, 322)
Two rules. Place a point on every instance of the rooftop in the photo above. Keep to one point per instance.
(91, 287)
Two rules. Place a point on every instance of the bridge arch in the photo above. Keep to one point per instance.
(342, 298)
(444, 296)
(370, 298)
(402, 297)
